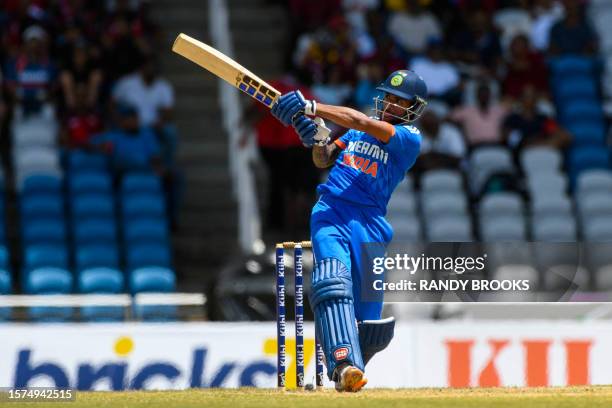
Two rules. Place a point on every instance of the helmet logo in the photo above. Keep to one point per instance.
(397, 80)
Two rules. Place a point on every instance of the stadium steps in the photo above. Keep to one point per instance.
(206, 233)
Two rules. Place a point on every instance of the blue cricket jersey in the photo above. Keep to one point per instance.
(368, 170)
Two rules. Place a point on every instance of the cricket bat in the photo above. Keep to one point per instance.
(230, 71)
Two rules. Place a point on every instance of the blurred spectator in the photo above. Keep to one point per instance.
(528, 127)
(335, 91)
(413, 27)
(481, 123)
(153, 97)
(356, 10)
(122, 50)
(573, 34)
(31, 77)
(82, 120)
(441, 76)
(525, 69)
(81, 70)
(307, 15)
(370, 74)
(130, 146)
(545, 14)
(442, 145)
(513, 19)
(477, 42)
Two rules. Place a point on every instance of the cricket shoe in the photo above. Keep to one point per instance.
(350, 379)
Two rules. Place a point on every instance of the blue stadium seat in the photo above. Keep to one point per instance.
(143, 255)
(5, 275)
(98, 269)
(48, 230)
(40, 255)
(156, 313)
(79, 160)
(45, 205)
(133, 183)
(152, 279)
(571, 65)
(90, 182)
(92, 206)
(582, 110)
(587, 132)
(45, 269)
(143, 205)
(587, 157)
(95, 231)
(88, 256)
(101, 314)
(577, 87)
(145, 230)
(41, 183)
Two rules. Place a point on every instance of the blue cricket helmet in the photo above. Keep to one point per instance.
(407, 85)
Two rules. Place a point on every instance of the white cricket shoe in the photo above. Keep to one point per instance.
(351, 379)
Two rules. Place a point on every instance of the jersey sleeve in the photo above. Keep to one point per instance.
(344, 140)
(405, 144)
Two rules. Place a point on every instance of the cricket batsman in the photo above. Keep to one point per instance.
(370, 159)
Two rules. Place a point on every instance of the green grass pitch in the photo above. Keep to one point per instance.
(562, 397)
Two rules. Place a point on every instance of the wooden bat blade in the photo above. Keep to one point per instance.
(225, 68)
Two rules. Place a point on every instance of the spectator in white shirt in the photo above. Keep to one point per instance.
(414, 27)
(441, 76)
(153, 98)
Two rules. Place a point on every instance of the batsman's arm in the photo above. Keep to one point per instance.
(325, 156)
(353, 119)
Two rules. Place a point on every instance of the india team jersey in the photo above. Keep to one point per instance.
(368, 170)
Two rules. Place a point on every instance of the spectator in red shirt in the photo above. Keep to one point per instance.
(82, 121)
(286, 160)
(525, 69)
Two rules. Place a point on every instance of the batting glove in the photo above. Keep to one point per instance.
(292, 104)
(311, 132)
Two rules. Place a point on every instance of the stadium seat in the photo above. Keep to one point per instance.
(48, 230)
(137, 183)
(79, 160)
(582, 110)
(544, 184)
(496, 204)
(554, 229)
(550, 205)
(406, 229)
(401, 204)
(145, 230)
(503, 228)
(540, 158)
(575, 87)
(95, 231)
(586, 132)
(40, 255)
(441, 180)
(588, 157)
(570, 65)
(39, 158)
(593, 181)
(46, 205)
(152, 279)
(143, 255)
(443, 203)
(450, 229)
(406, 185)
(42, 184)
(5, 274)
(143, 205)
(487, 161)
(98, 269)
(92, 206)
(595, 205)
(90, 182)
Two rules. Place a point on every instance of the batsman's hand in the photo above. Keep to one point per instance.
(292, 104)
(311, 132)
